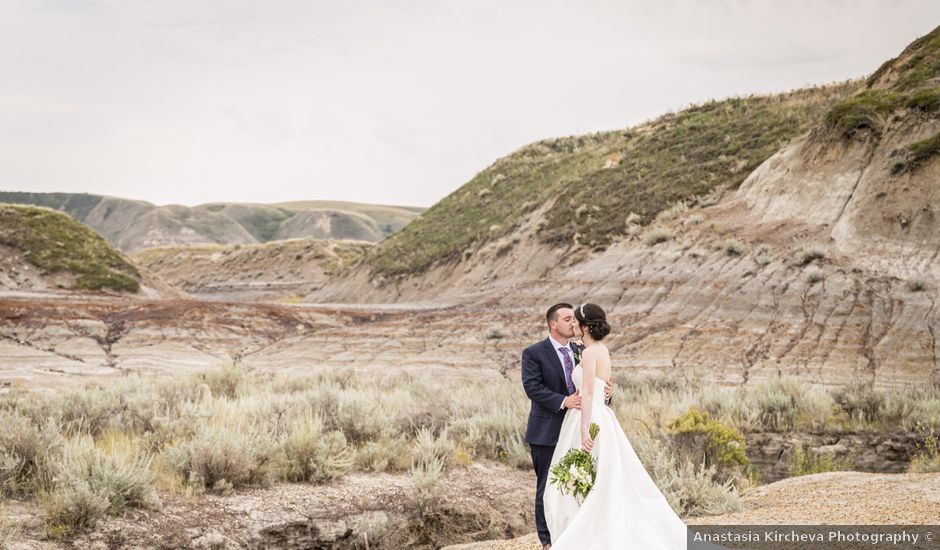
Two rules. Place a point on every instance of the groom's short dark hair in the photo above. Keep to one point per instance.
(552, 314)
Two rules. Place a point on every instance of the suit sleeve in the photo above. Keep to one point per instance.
(535, 388)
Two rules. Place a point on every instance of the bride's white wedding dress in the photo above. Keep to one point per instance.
(624, 509)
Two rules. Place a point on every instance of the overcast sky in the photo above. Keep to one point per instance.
(396, 102)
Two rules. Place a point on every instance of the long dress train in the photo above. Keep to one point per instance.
(624, 509)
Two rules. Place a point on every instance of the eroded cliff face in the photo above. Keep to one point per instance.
(875, 208)
(799, 272)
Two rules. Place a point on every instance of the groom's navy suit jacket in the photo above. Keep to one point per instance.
(543, 378)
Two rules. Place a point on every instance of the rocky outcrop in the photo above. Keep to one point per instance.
(771, 453)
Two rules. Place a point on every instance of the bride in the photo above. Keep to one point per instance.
(624, 508)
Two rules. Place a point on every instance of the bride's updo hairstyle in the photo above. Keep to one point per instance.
(591, 317)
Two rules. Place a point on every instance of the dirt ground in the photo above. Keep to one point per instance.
(836, 498)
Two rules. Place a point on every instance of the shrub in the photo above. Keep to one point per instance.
(494, 433)
(814, 275)
(868, 109)
(733, 247)
(924, 149)
(356, 415)
(495, 333)
(94, 480)
(224, 454)
(657, 235)
(28, 455)
(428, 448)
(424, 497)
(691, 490)
(228, 381)
(927, 460)
(90, 411)
(637, 385)
(915, 284)
(783, 404)
(384, 455)
(860, 401)
(311, 454)
(698, 434)
(804, 462)
(807, 255)
(700, 495)
(115, 468)
(72, 508)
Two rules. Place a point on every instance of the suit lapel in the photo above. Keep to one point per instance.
(553, 357)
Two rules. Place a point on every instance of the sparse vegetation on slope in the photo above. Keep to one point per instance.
(684, 156)
(909, 81)
(590, 184)
(54, 242)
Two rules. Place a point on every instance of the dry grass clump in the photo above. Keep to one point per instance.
(733, 247)
(814, 275)
(804, 462)
(927, 460)
(915, 284)
(657, 235)
(806, 256)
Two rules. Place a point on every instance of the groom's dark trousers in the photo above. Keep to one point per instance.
(541, 459)
(543, 378)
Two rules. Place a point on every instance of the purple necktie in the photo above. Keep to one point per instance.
(569, 366)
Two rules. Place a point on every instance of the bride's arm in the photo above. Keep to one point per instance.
(589, 364)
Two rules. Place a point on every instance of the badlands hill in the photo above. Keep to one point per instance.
(44, 249)
(132, 225)
(748, 238)
(734, 241)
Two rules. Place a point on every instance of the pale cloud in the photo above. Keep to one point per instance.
(392, 102)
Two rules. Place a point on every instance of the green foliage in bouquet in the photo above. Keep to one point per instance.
(577, 470)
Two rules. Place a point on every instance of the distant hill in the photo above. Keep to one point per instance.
(41, 249)
(133, 225)
(283, 270)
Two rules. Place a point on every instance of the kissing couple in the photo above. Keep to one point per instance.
(569, 384)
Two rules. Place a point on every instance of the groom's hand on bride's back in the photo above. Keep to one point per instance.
(609, 388)
(573, 401)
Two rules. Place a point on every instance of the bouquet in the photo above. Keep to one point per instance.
(576, 471)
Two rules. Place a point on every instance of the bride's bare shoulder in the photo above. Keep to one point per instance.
(597, 349)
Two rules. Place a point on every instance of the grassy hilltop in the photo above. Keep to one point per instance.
(588, 186)
(54, 242)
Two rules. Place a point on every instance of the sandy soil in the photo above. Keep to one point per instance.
(844, 498)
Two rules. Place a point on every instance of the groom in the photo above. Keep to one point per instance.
(546, 377)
